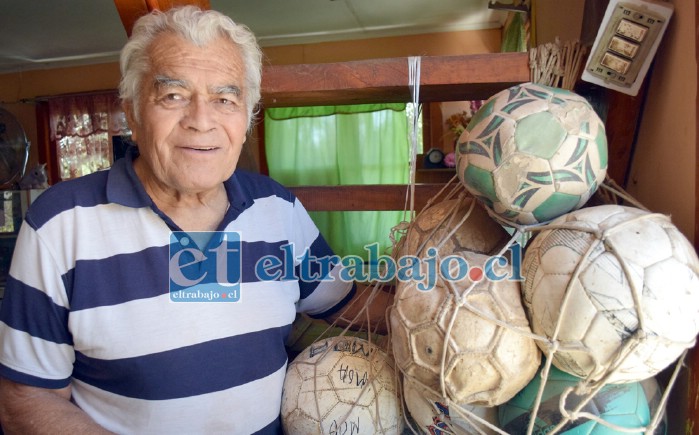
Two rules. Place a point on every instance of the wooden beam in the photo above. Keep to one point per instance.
(622, 124)
(132, 10)
(363, 197)
(692, 397)
(163, 5)
(443, 78)
(696, 126)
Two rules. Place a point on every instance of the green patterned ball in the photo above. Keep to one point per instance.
(622, 405)
(532, 153)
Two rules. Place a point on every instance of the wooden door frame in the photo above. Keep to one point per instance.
(692, 423)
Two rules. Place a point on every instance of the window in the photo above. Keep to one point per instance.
(81, 130)
(342, 145)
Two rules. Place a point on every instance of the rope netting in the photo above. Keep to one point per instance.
(557, 63)
(359, 341)
(586, 388)
(429, 385)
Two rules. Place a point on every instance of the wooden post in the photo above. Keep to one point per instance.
(131, 10)
(692, 424)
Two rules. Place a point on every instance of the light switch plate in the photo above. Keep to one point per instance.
(626, 43)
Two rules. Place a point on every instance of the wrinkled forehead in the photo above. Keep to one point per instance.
(220, 58)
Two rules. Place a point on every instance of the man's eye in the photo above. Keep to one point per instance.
(228, 104)
(172, 99)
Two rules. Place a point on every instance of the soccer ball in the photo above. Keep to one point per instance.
(477, 233)
(433, 416)
(485, 363)
(613, 280)
(532, 153)
(623, 405)
(341, 385)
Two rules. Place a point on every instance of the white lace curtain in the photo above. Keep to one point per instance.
(81, 128)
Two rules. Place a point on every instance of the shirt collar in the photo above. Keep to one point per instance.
(125, 188)
(238, 197)
(123, 185)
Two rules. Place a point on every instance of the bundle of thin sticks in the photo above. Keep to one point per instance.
(557, 64)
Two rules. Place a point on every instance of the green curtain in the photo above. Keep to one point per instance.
(342, 145)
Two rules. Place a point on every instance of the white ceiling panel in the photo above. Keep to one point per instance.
(283, 22)
(53, 33)
(277, 19)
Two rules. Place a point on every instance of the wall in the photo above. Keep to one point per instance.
(434, 44)
(663, 171)
(663, 168)
(561, 19)
(659, 179)
(19, 89)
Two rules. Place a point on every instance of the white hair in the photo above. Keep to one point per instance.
(198, 27)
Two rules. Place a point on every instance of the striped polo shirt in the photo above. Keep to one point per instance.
(87, 304)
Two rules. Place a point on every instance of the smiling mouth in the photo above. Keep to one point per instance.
(201, 148)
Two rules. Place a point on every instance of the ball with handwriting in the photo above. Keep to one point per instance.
(341, 385)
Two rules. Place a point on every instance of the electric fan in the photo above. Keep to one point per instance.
(14, 150)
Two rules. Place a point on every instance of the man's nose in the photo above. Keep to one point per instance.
(199, 115)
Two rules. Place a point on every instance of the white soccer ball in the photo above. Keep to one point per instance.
(454, 225)
(611, 279)
(433, 416)
(450, 331)
(532, 153)
(341, 385)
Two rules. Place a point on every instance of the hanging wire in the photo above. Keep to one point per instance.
(414, 86)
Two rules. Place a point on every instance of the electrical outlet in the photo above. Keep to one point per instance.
(626, 43)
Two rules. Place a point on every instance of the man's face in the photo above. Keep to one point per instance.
(193, 118)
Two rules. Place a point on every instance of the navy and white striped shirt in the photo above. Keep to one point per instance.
(87, 305)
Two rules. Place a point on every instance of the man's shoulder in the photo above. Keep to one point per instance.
(262, 186)
(86, 191)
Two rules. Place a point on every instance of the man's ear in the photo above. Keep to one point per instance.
(127, 107)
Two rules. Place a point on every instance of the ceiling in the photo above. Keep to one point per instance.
(38, 34)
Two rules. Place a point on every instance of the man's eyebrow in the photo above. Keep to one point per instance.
(169, 82)
(162, 81)
(226, 89)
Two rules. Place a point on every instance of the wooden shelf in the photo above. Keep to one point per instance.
(437, 175)
(363, 197)
(442, 78)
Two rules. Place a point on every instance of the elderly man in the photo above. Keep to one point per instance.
(92, 338)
